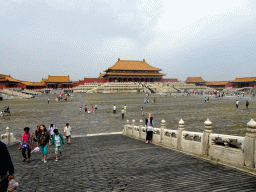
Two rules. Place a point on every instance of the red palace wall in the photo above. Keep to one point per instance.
(229, 85)
(170, 80)
(90, 80)
(3, 86)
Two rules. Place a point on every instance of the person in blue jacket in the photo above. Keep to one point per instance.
(6, 167)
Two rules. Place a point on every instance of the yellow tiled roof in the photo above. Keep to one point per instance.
(244, 79)
(133, 65)
(194, 80)
(7, 78)
(33, 83)
(58, 79)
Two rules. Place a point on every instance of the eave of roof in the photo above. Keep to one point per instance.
(135, 74)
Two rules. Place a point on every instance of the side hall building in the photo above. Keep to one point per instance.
(244, 82)
(195, 80)
(133, 71)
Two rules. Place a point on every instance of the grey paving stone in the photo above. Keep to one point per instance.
(107, 163)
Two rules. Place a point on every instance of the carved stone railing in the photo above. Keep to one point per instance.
(8, 138)
(235, 150)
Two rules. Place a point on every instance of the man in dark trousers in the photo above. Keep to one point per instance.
(6, 167)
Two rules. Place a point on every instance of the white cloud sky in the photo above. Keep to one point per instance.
(82, 38)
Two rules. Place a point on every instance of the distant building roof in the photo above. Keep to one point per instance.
(131, 65)
(244, 79)
(217, 83)
(195, 80)
(101, 75)
(58, 79)
(7, 78)
(27, 83)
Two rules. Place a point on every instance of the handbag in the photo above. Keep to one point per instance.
(25, 144)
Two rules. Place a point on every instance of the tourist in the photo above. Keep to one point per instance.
(122, 112)
(149, 128)
(114, 109)
(26, 144)
(125, 108)
(208, 99)
(48, 100)
(96, 107)
(58, 142)
(80, 110)
(43, 139)
(1, 114)
(71, 98)
(92, 109)
(85, 108)
(36, 133)
(67, 133)
(8, 111)
(237, 102)
(5, 110)
(51, 130)
(142, 111)
(154, 99)
(145, 100)
(247, 104)
(6, 167)
(205, 99)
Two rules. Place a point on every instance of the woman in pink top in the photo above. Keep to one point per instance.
(26, 144)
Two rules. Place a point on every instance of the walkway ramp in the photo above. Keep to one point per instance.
(120, 163)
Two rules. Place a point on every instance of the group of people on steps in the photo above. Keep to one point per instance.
(44, 138)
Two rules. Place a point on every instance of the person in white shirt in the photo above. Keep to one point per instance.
(67, 133)
(237, 102)
(114, 108)
(96, 107)
(51, 130)
(58, 142)
(1, 114)
(122, 111)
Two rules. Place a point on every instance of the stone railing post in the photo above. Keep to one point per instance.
(162, 130)
(127, 124)
(249, 144)
(8, 135)
(179, 136)
(140, 128)
(133, 124)
(205, 137)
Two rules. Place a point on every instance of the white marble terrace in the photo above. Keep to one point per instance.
(228, 149)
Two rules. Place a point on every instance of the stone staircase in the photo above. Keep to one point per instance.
(16, 94)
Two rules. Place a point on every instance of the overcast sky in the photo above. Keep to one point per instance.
(214, 39)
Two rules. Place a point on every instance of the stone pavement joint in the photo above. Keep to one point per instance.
(120, 163)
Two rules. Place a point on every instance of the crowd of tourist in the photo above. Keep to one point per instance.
(43, 138)
(6, 111)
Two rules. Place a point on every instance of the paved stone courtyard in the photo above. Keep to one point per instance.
(225, 117)
(117, 162)
(120, 163)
